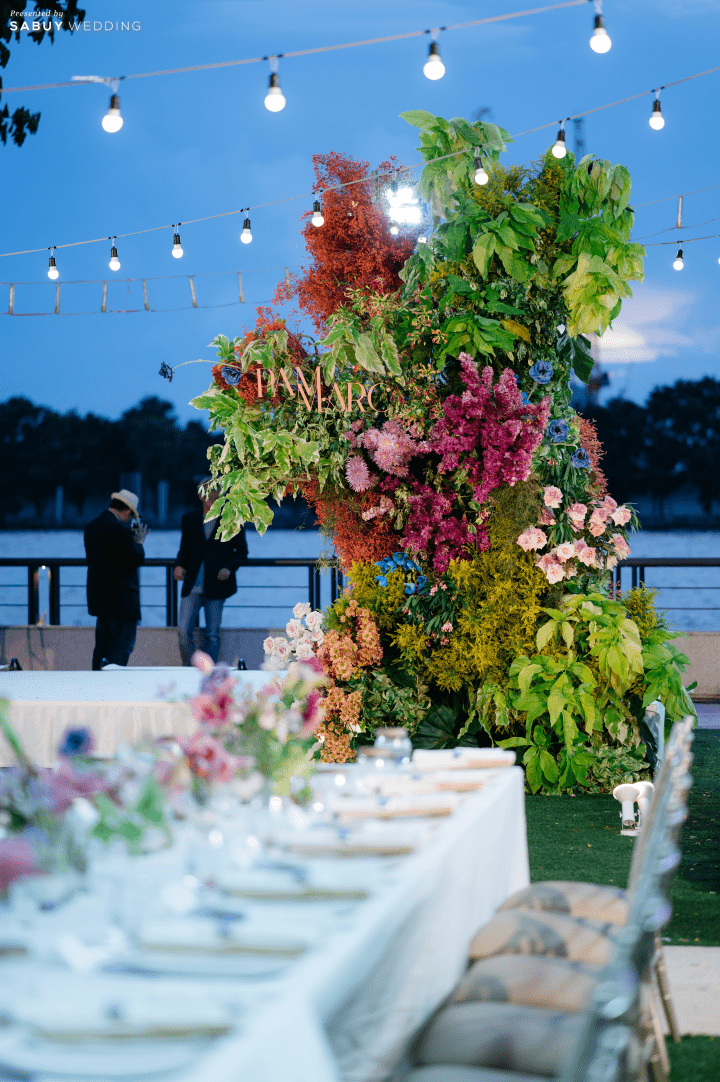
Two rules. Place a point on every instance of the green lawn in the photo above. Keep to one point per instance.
(578, 838)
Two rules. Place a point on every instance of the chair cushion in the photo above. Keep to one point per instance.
(499, 1035)
(588, 900)
(553, 983)
(517, 931)
(455, 1073)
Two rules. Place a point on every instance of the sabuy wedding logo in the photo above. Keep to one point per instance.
(32, 21)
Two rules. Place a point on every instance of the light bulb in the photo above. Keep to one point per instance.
(394, 230)
(317, 218)
(177, 247)
(559, 149)
(481, 176)
(53, 272)
(600, 41)
(678, 264)
(112, 121)
(246, 235)
(657, 120)
(433, 67)
(114, 263)
(423, 240)
(274, 99)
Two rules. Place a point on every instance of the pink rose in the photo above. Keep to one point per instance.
(552, 496)
(551, 568)
(576, 513)
(546, 517)
(609, 504)
(597, 523)
(620, 545)
(16, 859)
(564, 552)
(587, 556)
(622, 516)
(570, 571)
(532, 538)
(611, 562)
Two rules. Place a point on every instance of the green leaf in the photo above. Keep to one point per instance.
(482, 252)
(419, 118)
(545, 634)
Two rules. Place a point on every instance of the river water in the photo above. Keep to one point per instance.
(266, 596)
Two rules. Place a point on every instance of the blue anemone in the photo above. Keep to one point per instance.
(557, 431)
(382, 580)
(231, 375)
(542, 371)
(410, 587)
(581, 459)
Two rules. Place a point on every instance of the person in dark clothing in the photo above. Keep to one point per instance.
(206, 567)
(114, 553)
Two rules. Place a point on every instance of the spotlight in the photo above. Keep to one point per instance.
(112, 121)
(433, 67)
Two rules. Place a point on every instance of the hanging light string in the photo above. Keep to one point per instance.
(390, 173)
(318, 49)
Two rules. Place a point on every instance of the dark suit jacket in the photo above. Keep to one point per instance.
(195, 549)
(113, 556)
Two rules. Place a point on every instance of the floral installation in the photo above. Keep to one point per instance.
(304, 637)
(462, 493)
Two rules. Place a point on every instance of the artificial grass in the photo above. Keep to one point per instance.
(695, 1059)
(579, 838)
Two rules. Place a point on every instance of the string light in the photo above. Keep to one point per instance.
(246, 235)
(317, 217)
(53, 272)
(657, 120)
(559, 149)
(481, 176)
(423, 240)
(112, 121)
(394, 230)
(600, 41)
(433, 67)
(114, 263)
(679, 264)
(274, 99)
(177, 246)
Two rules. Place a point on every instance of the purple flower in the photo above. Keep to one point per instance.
(542, 371)
(581, 459)
(77, 742)
(557, 431)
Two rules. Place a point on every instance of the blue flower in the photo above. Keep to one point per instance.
(557, 431)
(422, 579)
(581, 459)
(386, 564)
(412, 566)
(525, 398)
(410, 587)
(231, 375)
(382, 580)
(542, 371)
(76, 742)
(399, 558)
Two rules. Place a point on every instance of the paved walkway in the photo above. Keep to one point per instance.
(694, 978)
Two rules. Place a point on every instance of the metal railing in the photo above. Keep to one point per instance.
(53, 566)
(638, 566)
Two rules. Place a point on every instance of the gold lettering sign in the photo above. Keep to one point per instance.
(314, 394)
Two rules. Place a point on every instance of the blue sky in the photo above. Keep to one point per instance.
(203, 143)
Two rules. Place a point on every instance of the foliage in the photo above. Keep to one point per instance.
(60, 15)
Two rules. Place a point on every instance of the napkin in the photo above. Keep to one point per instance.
(384, 842)
(267, 884)
(461, 758)
(196, 935)
(432, 804)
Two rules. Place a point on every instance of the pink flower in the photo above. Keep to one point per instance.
(620, 545)
(622, 516)
(551, 568)
(611, 562)
(16, 859)
(609, 504)
(447, 626)
(358, 475)
(576, 512)
(553, 496)
(207, 757)
(433, 591)
(598, 520)
(546, 517)
(564, 552)
(203, 662)
(570, 571)
(304, 651)
(587, 555)
(532, 538)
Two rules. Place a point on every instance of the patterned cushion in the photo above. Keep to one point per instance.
(517, 931)
(533, 982)
(499, 1035)
(466, 1074)
(588, 900)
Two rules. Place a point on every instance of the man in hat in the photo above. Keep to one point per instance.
(114, 550)
(206, 567)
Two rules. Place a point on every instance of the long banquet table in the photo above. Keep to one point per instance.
(121, 706)
(375, 969)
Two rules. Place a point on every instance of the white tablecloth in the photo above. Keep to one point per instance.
(119, 705)
(347, 1010)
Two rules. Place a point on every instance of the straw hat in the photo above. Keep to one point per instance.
(129, 499)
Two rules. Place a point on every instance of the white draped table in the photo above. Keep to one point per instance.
(121, 706)
(345, 1010)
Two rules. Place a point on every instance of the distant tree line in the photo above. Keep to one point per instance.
(42, 449)
(671, 443)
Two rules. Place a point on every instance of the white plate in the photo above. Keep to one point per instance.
(189, 965)
(23, 1052)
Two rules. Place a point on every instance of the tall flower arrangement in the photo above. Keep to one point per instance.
(437, 442)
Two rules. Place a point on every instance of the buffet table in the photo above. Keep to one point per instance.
(121, 706)
(380, 953)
